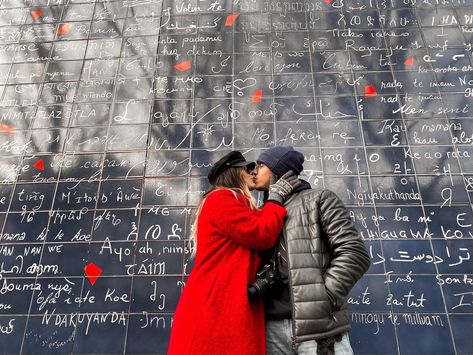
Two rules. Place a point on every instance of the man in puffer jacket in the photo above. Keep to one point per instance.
(319, 255)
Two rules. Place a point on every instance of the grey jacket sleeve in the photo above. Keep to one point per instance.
(350, 258)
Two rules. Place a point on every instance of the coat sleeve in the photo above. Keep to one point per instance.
(231, 216)
(350, 258)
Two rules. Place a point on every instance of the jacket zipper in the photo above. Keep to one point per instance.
(293, 311)
(289, 277)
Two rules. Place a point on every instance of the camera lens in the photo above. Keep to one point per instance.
(252, 292)
(257, 288)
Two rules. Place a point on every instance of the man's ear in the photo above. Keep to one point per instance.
(273, 178)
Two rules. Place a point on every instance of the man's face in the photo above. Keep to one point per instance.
(263, 176)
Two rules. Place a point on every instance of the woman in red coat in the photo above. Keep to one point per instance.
(214, 314)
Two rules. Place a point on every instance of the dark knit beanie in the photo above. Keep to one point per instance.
(281, 159)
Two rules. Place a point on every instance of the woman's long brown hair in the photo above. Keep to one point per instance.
(231, 179)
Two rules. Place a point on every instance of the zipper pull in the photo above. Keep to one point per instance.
(293, 343)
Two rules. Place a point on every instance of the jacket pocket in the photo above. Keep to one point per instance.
(211, 298)
(333, 301)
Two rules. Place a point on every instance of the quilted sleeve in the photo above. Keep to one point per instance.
(350, 258)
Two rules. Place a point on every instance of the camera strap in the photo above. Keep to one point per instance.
(271, 258)
(274, 261)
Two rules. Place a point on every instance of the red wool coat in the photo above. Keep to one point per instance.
(214, 315)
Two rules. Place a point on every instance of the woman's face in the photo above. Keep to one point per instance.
(263, 177)
(249, 178)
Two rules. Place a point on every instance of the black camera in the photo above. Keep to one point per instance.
(266, 278)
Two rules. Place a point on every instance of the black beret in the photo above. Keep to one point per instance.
(234, 158)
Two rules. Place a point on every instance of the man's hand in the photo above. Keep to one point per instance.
(280, 190)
